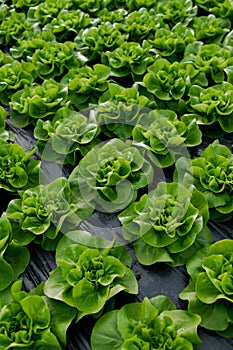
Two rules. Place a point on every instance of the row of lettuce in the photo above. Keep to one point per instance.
(120, 91)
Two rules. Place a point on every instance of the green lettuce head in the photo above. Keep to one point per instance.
(44, 211)
(174, 11)
(150, 324)
(86, 278)
(212, 174)
(210, 291)
(167, 225)
(111, 174)
(18, 170)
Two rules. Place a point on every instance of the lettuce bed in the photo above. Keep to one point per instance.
(116, 174)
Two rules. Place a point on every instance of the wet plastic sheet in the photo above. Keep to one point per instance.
(153, 280)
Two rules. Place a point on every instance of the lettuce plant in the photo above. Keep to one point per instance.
(25, 3)
(133, 5)
(37, 102)
(12, 27)
(29, 42)
(55, 59)
(211, 29)
(210, 290)
(167, 225)
(151, 324)
(111, 174)
(165, 136)
(115, 16)
(45, 11)
(13, 257)
(174, 11)
(171, 43)
(96, 39)
(87, 277)
(212, 174)
(165, 80)
(14, 76)
(68, 132)
(91, 6)
(119, 110)
(219, 8)
(18, 169)
(44, 211)
(28, 321)
(212, 60)
(67, 24)
(128, 58)
(213, 104)
(86, 84)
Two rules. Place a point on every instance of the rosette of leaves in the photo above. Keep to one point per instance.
(45, 11)
(12, 27)
(43, 212)
(171, 43)
(212, 174)
(213, 61)
(13, 257)
(167, 225)
(25, 3)
(14, 76)
(86, 84)
(32, 321)
(133, 5)
(213, 104)
(165, 136)
(95, 40)
(211, 29)
(174, 11)
(141, 24)
(18, 169)
(210, 290)
(68, 23)
(37, 102)
(31, 41)
(217, 7)
(111, 174)
(114, 16)
(4, 58)
(88, 276)
(151, 324)
(128, 58)
(55, 59)
(67, 133)
(119, 110)
(92, 6)
(165, 80)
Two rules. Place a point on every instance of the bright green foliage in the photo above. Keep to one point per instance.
(25, 3)
(115, 16)
(111, 174)
(45, 210)
(210, 290)
(54, 59)
(212, 60)
(86, 84)
(119, 110)
(30, 42)
(165, 135)
(167, 225)
(12, 27)
(218, 7)
(174, 11)
(165, 80)
(128, 58)
(17, 168)
(67, 24)
(5, 135)
(171, 43)
(91, 6)
(13, 257)
(210, 29)
(213, 104)
(14, 76)
(151, 324)
(137, 4)
(97, 39)
(37, 101)
(68, 132)
(212, 174)
(87, 276)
